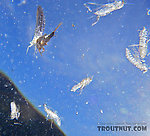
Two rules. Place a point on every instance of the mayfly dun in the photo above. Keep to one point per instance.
(82, 84)
(135, 60)
(15, 114)
(105, 9)
(52, 115)
(40, 40)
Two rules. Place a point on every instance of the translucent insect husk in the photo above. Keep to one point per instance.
(15, 114)
(105, 9)
(52, 115)
(136, 61)
(143, 42)
(82, 84)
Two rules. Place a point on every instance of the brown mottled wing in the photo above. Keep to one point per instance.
(40, 22)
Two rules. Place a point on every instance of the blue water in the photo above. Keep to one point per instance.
(119, 91)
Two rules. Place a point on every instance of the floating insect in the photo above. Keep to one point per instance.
(14, 111)
(82, 84)
(40, 40)
(143, 42)
(135, 60)
(52, 115)
(143, 34)
(105, 9)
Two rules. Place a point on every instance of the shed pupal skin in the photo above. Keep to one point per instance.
(143, 42)
(76, 87)
(136, 61)
(82, 84)
(105, 9)
(86, 82)
(52, 115)
(108, 8)
(15, 114)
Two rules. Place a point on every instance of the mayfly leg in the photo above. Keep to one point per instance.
(52, 121)
(87, 7)
(133, 45)
(96, 21)
(28, 48)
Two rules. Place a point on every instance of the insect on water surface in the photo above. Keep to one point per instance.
(136, 61)
(82, 84)
(15, 114)
(105, 9)
(52, 115)
(40, 40)
(143, 44)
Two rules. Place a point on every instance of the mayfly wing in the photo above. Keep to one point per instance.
(40, 22)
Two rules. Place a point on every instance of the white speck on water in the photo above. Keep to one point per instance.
(123, 92)
(87, 103)
(6, 85)
(102, 81)
(108, 93)
(20, 82)
(5, 35)
(39, 106)
(101, 111)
